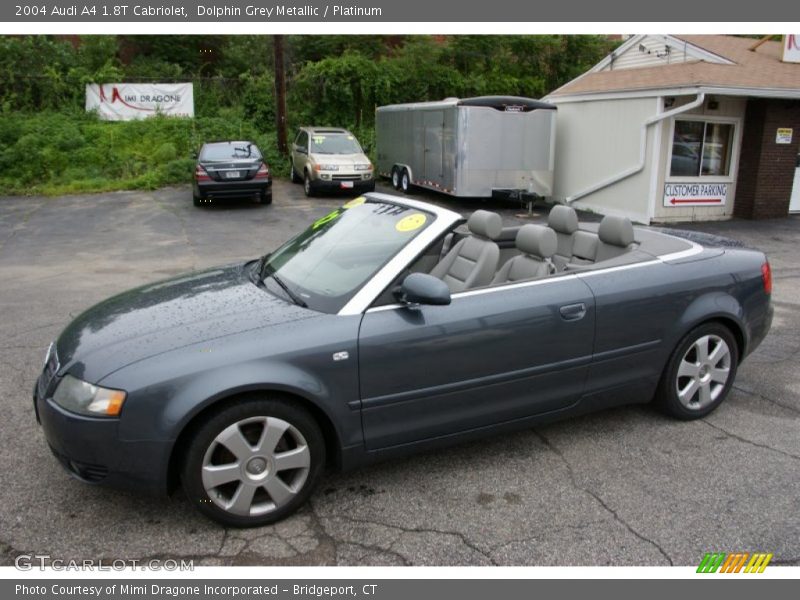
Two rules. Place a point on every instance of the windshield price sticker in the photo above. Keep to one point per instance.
(411, 222)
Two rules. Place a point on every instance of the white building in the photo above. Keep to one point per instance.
(677, 128)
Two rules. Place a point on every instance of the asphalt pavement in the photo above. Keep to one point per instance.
(623, 487)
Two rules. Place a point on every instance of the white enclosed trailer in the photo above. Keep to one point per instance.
(470, 147)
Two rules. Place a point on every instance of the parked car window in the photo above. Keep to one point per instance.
(701, 149)
(330, 261)
(334, 144)
(234, 150)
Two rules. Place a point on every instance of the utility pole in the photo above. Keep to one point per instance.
(280, 93)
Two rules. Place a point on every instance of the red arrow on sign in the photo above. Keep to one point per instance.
(696, 200)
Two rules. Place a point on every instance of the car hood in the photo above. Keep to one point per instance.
(163, 316)
(339, 159)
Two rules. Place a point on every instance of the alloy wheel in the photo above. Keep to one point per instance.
(256, 466)
(703, 372)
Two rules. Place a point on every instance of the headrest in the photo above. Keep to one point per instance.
(485, 224)
(537, 240)
(563, 219)
(616, 231)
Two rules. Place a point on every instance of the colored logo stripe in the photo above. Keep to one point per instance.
(733, 562)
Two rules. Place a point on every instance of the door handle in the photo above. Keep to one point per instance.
(573, 312)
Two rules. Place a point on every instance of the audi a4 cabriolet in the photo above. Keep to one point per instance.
(390, 326)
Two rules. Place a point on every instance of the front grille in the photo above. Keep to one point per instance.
(346, 177)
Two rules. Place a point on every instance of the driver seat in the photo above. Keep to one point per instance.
(472, 262)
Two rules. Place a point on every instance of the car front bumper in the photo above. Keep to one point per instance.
(352, 184)
(90, 450)
(232, 189)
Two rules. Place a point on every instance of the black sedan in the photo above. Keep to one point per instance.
(231, 170)
(386, 327)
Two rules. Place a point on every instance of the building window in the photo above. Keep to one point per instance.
(701, 149)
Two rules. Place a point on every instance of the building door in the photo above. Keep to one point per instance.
(794, 203)
(434, 131)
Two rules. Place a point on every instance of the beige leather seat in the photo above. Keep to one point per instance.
(537, 244)
(613, 237)
(472, 262)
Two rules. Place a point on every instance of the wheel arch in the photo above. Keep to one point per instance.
(333, 447)
(720, 307)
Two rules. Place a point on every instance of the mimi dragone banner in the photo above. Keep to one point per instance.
(127, 101)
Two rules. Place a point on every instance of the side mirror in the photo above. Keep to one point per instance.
(421, 288)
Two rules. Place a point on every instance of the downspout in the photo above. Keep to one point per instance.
(642, 149)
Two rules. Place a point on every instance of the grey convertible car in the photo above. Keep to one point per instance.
(390, 326)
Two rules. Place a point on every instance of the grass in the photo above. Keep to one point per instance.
(64, 153)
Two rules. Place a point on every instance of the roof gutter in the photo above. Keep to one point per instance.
(642, 149)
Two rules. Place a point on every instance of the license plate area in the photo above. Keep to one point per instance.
(232, 174)
(346, 185)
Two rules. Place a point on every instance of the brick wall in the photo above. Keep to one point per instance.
(766, 169)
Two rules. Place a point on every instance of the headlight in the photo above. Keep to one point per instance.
(324, 167)
(84, 398)
(363, 167)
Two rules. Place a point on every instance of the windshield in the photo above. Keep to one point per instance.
(233, 150)
(339, 143)
(330, 261)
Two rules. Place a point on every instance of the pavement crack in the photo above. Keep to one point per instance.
(599, 500)
(464, 540)
(767, 399)
(749, 442)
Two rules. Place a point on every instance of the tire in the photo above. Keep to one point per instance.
(197, 200)
(265, 198)
(295, 177)
(396, 178)
(249, 487)
(700, 372)
(370, 187)
(405, 181)
(308, 186)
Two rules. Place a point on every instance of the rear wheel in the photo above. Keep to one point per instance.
(295, 177)
(700, 372)
(265, 197)
(197, 200)
(405, 182)
(253, 463)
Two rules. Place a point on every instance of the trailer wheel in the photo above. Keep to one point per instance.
(405, 182)
(396, 178)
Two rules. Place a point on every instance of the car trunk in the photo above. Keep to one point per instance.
(232, 170)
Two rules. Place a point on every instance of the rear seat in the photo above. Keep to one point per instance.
(564, 221)
(613, 238)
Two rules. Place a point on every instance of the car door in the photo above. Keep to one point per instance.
(300, 152)
(491, 356)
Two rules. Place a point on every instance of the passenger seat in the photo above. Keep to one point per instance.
(564, 221)
(472, 262)
(537, 244)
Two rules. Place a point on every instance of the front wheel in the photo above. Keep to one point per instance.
(253, 463)
(308, 187)
(395, 178)
(700, 372)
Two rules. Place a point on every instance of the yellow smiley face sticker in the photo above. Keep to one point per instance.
(355, 202)
(411, 222)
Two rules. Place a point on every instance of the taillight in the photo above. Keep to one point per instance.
(200, 174)
(766, 277)
(263, 171)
